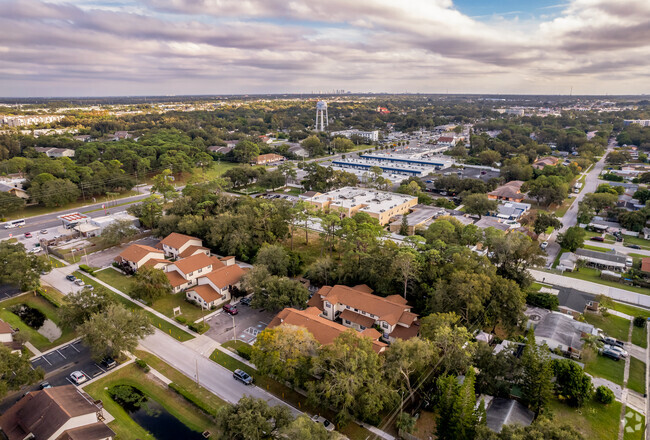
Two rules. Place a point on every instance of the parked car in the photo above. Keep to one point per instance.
(78, 377)
(242, 376)
(79, 282)
(28, 235)
(544, 245)
(246, 300)
(230, 309)
(611, 341)
(329, 426)
(43, 231)
(597, 239)
(633, 246)
(108, 363)
(611, 354)
(45, 385)
(70, 278)
(621, 351)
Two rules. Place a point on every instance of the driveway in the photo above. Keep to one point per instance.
(56, 279)
(248, 323)
(105, 258)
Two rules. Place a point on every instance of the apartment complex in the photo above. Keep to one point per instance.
(348, 201)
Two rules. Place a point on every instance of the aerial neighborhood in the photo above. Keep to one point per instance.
(398, 266)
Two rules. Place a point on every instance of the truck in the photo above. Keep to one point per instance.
(577, 187)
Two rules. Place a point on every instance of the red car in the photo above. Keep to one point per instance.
(230, 309)
(28, 235)
(597, 239)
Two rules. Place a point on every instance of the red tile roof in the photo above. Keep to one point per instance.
(191, 250)
(137, 252)
(176, 240)
(206, 292)
(226, 276)
(193, 263)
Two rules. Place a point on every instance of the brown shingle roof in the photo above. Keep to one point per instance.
(137, 252)
(5, 328)
(206, 292)
(175, 278)
(401, 332)
(349, 315)
(324, 330)
(96, 431)
(363, 288)
(226, 276)
(191, 250)
(195, 262)
(152, 262)
(176, 240)
(511, 190)
(408, 318)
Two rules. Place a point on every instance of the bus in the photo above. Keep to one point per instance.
(15, 224)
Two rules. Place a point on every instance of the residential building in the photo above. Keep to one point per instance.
(574, 302)
(558, 330)
(7, 338)
(568, 261)
(15, 189)
(510, 192)
(122, 135)
(82, 138)
(348, 201)
(308, 195)
(610, 260)
(323, 330)
(512, 210)
(177, 245)
(138, 255)
(490, 222)
(265, 159)
(298, 150)
(500, 412)
(641, 122)
(368, 136)
(215, 288)
(55, 152)
(183, 272)
(446, 141)
(645, 266)
(542, 162)
(58, 413)
(358, 308)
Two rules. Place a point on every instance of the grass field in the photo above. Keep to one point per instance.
(645, 244)
(606, 368)
(40, 303)
(593, 275)
(634, 424)
(115, 279)
(594, 420)
(614, 326)
(639, 336)
(162, 324)
(123, 425)
(636, 379)
(595, 248)
(630, 310)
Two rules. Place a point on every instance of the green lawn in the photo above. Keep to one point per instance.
(594, 420)
(645, 244)
(606, 368)
(162, 324)
(636, 379)
(630, 310)
(595, 248)
(593, 275)
(123, 425)
(639, 336)
(116, 279)
(40, 303)
(614, 326)
(216, 170)
(634, 425)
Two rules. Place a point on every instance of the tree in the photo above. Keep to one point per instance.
(288, 170)
(149, 284)
(604, 395)
(322, 272)
(479, 204)
(342, 144)
(545, 220)
(273, 292)
(16, 371)
(496, 371)
(305, 429)
(162, 185)
(114, 330)
(351, 380)
(275, 258)
(285, 352)
(536, 386)
(542, 429)
(245, 151)
(548, 189)
(404, 227)
(203, 160)
(148, 211)
(79, 306)
(313, 146)
(572, 238)
(451, 340)
(272, 179)
(600, 201)
(571, 381)
(9, 203)
(513, 254)
(20, 268)
(407, 266)
(251, 419)
(632, 220)
(407, 360)
(118, 232)
(55, 192)
(456, 403)
(618, 157)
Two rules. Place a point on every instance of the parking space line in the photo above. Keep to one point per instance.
(45, 359)
(100, 368)
(61, 354)
(75, 348)
(70, 380)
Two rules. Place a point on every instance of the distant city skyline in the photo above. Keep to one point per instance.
(183, 47)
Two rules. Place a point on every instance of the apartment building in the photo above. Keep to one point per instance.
(177, 245)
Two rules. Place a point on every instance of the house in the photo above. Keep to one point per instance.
(487, 222)
(510, 192)
(7, 338)
(646, 233)
(15, 190)
(55, 152)
(512, 210)
(358, 308)
(500, 412)
(298, 150)
(58, 413)
(323, 330)
(177, 245)
(265, 159)
(308, 195)
(348, 201)
(122, 135)
(82, 138)
(215, 288)
(628, 202)
(221, 150)
(567, 262)
(574, 302)
(610, 260)
(446, 141)
(138, 255)
(557, 330)
(540, 163)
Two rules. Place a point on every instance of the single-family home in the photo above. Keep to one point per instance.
(55, 152)
(575, 302)
(358, 308)
(542, 162)
(610, 260)
(138, 255)
(323, 330)
(568, 261)
(177, 245)
(645, 266)
(510, 192)
(82, 138)
(558, 330)
(512, 210)
(501, 411)
(487, 222)
(14, 190)
(58, 413)
(219, 149)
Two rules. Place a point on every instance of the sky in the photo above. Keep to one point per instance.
(180, 47)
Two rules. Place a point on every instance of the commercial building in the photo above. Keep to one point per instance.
(265, 159)
(422, 216)
(370, 136)
(641, 122)
(358, 308)
(348, 201)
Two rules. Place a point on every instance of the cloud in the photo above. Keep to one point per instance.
(256, 46)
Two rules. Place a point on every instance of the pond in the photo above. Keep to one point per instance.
(154, 418)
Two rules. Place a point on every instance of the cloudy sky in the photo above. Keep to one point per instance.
(166, 47)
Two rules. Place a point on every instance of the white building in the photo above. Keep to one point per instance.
(370, 136)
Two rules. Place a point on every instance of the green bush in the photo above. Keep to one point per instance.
(49, 298)
(128, 397)
(639, 321)
(181, 319)
(543, 300)
(604, 395)
(245, 351)
(193, 399)
(200, 328)
(87, 269)
(142, 364)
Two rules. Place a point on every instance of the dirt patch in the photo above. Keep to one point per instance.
(50, 330)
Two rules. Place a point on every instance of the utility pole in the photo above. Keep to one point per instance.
(234, 332)
(196, 366)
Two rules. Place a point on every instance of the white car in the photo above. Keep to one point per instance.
(79, 282)
(615, 348)
(78, 377)
(544, 245)
(329, 426)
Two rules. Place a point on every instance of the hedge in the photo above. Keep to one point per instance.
(245, 351)
(86, 269)
(200, 327)
(142, 364)
(193, 399)
(49, 298)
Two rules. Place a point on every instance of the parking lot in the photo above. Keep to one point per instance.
(105, 258)
(248, 323)
(8, 291)
(56, 278)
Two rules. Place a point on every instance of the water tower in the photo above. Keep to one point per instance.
(321, 111)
